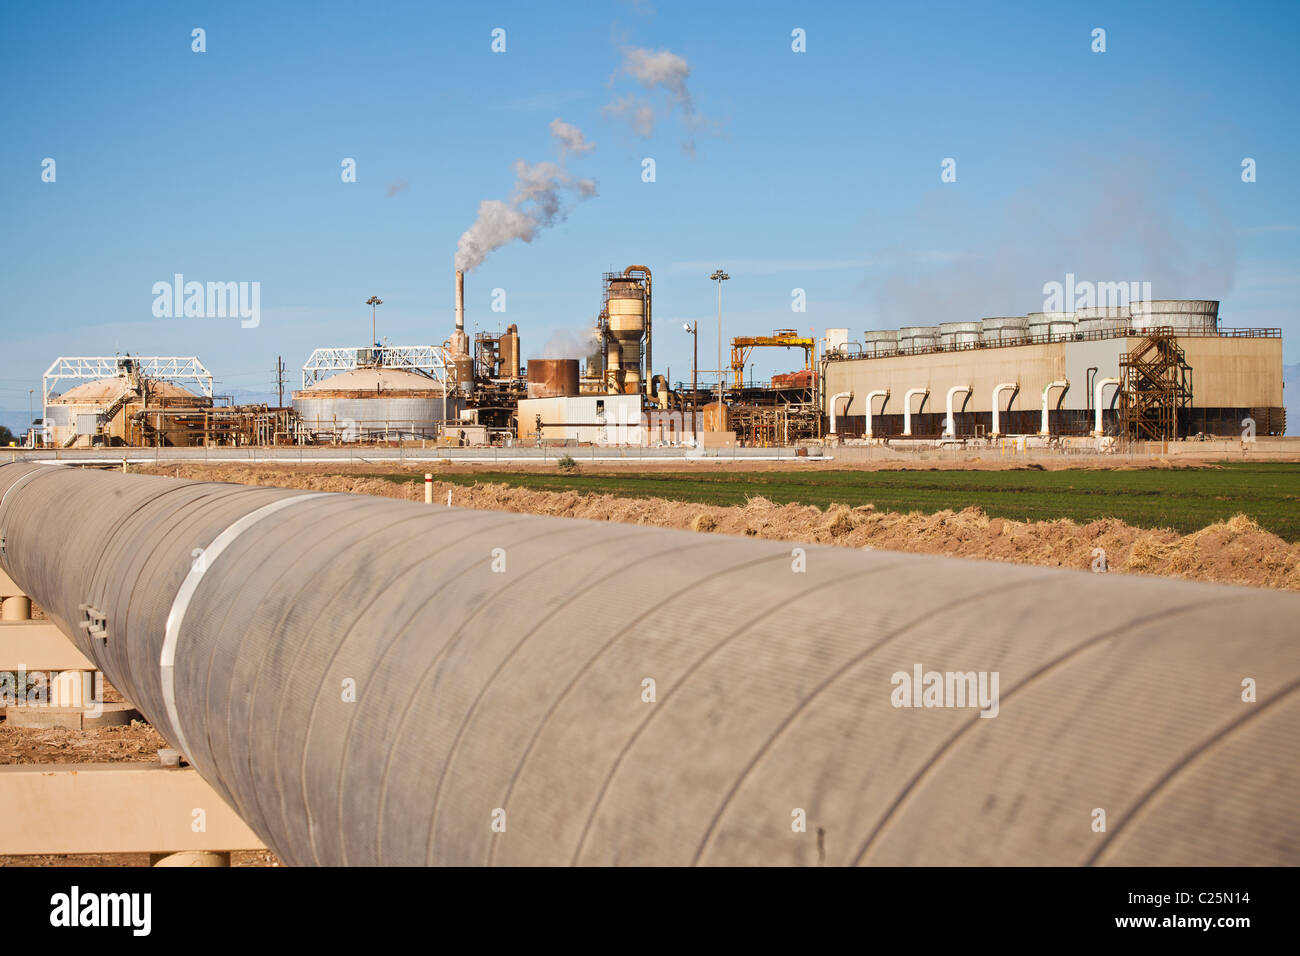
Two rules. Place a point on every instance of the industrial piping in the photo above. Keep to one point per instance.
(878, 393)
(998, 390)
(1101, 384)
(907, 407)
(1063, 383)
(834, 401)
(368, 681)
(950, 426)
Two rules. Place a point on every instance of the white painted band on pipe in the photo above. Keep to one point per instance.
(176, 616)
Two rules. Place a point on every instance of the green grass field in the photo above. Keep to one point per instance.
(1183, 499)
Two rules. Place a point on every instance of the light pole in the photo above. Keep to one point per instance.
(31, 435)
(719, 277)
(373, 301)
(693, 328)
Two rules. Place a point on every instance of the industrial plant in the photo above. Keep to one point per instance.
(1155, 370)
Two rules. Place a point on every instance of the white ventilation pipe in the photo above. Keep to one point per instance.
(998, 390)
(1063, 383)
(879, 393)
(835, 398)
(907, 407)
(950, 429)
(1101, 384)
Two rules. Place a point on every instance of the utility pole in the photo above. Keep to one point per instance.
(720, 277)
(279, 378)
(693, 329)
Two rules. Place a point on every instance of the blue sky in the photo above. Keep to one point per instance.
(817, 170)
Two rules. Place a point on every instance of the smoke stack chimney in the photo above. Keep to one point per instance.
(460, 301)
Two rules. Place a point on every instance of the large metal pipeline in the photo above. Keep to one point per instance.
(369, 681)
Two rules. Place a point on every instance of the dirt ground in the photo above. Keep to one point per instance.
(1232, 552)
(137, 742)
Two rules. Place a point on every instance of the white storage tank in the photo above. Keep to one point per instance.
(918, 337)
(1182, 315)
(370, 404)
(1102, 318)
(1055, 324)
(959, 334)
(1004, 329)
(880, 342)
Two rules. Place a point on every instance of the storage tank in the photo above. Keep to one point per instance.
(368, 404)
(1054, 324)
(1004, 329)
(627, 326)
(877, 343)
(1102, 318)
(106, 406)
(918, 337)
(509, 351)
(1182, 315)
(552, 378)
(954, 334)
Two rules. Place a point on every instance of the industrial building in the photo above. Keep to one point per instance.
(1156, 370)
(144, 401)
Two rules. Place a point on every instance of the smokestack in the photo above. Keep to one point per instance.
(460, 301)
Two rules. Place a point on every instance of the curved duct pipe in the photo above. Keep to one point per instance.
(835, 399)
(879, 393)
(1101, 384)
(907, 407)
(1062, 383)
(369, 681)
(998, 390)
(950, 427)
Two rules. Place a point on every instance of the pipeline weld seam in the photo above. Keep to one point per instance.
(928, 767)
(706, 843)
(480, 522)
(694, 668)
(176, 617)
(219, 721)
(582, 671)
(398, 633)
(430, 672)
(1180, 766)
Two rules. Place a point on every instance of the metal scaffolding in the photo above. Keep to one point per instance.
(431, 361)
(1155, 389)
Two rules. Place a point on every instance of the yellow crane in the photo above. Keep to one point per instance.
(742, 345)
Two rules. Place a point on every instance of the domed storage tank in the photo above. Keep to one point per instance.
(370, 404)
(1102, 318)
(1004, 330)
(953, 334)
(918, 337)
(1182, 315)
(107, 405)
(627, 325)
(879, 342)
(1051, 323)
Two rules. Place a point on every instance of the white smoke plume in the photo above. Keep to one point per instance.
(655, 69)
(539, 200)
(569, 138)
